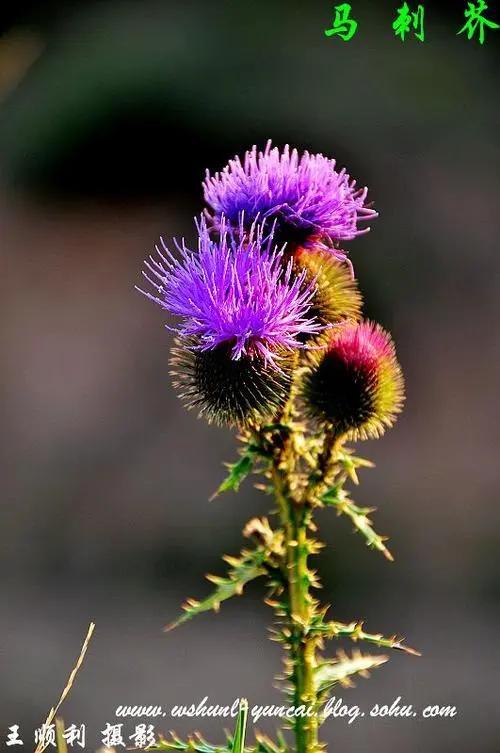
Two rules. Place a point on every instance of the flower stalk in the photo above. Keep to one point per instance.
(303, 643)
(296, 507)
(295, 518)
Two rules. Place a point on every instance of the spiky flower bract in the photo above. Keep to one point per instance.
(336, 296)
(356, 384)
(234, 291)
(228, 391)
(311, 201)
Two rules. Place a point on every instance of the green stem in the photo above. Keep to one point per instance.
(295, 519)
(303, 646)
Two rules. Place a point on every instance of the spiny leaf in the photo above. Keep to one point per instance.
(237, 472)
(350, 463)
(194, 744)
(248, 566)
(197, 744)
(341, 669)
(266, 745)
(354, 631)
(272, 539)
(339, 498)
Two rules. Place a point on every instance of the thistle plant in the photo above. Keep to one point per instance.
(270, 341)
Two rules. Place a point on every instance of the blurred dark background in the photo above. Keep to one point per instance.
(109, 114)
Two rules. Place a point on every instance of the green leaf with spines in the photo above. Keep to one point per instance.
(349, 464)
(250, 565)
(338, 497)
(340, 670)
(197, 744)
(238, 471)
(265, 745)
(354, 631)
(194, 744)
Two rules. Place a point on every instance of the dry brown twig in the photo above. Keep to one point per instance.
(42, 745)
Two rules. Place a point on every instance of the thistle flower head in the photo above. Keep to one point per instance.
(311, 201)
(356, 384)
(234, 290)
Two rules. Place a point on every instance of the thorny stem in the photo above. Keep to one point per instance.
(303, 646)
(296, 518)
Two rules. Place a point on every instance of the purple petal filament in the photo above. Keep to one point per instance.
(305, 194)
(234, 289)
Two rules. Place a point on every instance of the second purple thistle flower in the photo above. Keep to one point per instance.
(235, 290)
(312, 203)
(243, 312)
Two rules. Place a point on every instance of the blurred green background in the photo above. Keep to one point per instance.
(109, 114)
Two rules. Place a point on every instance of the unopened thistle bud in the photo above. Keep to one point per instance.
(336, 295)
(355, 385)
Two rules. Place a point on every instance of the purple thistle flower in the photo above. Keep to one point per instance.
(311, 202)
(233, 290)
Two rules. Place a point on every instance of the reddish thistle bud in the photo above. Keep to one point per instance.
(355, 385)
